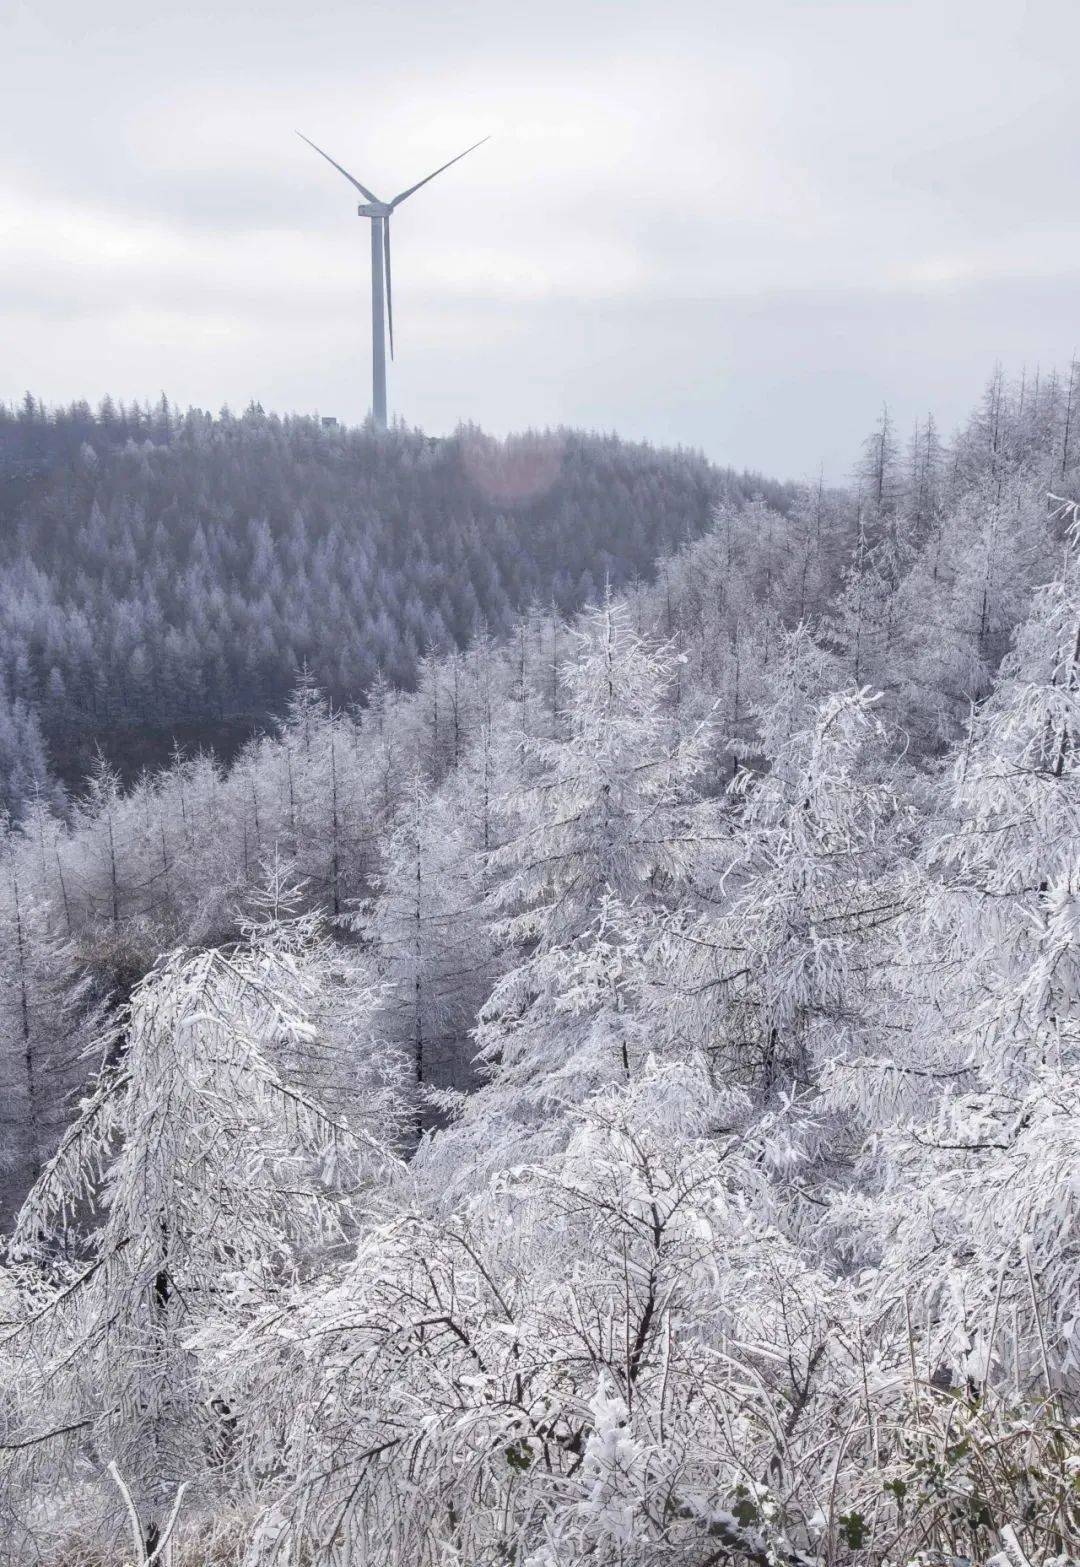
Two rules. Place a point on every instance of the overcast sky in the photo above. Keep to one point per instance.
(740, 225)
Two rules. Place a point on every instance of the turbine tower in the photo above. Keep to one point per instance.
(379, 213)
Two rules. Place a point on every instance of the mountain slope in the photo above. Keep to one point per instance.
(164, 574)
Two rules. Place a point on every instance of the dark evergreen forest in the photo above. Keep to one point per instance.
(168, 575)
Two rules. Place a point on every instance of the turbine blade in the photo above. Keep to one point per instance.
(351, 178)
(399, 199)
(389, 291)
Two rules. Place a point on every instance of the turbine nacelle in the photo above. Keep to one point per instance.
(375, 209)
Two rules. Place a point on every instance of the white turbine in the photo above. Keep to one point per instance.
(379, 212)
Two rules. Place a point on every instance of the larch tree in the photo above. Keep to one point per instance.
(429, 945)
(978, 1181)
(192, 1162)
(608, 822)
(775, 973)
(49, 1017)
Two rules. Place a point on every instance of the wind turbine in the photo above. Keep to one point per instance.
(379, 212)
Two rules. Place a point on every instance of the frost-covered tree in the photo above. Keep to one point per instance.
(321, 791)
(993, 975)
(429, 945)
(49, 1015)
(740, 1225)
(966, 596)
(778, 973)
(24, 763)
(551, 1375)
(605, 809)
(194, 1161)
(1001, 865)
(608, 821)
(187, 571)
(860, 623)
(878, 471)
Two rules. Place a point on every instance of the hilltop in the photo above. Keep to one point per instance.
(167, 574)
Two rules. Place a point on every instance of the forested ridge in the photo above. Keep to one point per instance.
(615, 1102)
(171, 574)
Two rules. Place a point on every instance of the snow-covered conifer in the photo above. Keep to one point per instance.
(193, 1161)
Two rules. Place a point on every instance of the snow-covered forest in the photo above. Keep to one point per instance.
(615, 1102)
(165, 572)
